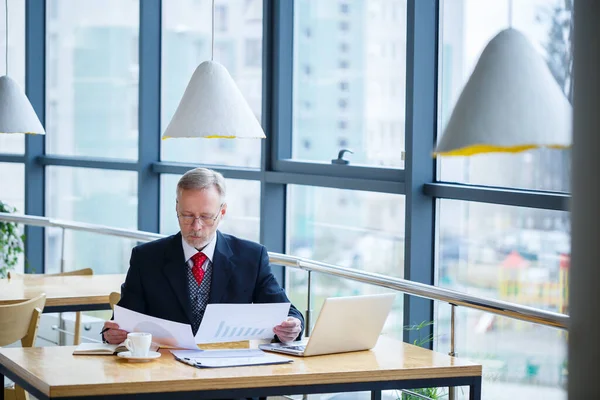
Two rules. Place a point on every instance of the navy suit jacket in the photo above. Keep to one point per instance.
(156, 282)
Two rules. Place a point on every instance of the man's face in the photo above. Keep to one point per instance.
(199, 213)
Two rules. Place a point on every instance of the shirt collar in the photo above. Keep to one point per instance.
(209, 250)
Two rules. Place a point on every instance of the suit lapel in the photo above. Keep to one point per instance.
(176, 273)
(222, 269)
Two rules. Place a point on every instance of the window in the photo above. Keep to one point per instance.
(349, 228)
(514, 254)
(12, 185)
(253, 52)
(243, 208)
(339, 62)
(464, 36)
(12, 194)
(95, 83)
(221, 14)
(185, 44)
(14, 144)
(98, 197)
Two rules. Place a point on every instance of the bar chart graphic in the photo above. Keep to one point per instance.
(236, 322)
(227, 331)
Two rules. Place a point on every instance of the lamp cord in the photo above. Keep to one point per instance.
(212, 44)
(6, 33)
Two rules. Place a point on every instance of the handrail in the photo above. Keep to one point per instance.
(430, 292)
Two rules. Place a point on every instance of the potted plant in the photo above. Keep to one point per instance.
(421, 393)
(11, 242)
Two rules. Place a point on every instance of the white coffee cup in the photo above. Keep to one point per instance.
(138, 343)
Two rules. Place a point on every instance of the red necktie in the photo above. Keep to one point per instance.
(198, 259)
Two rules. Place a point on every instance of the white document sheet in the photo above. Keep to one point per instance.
(234, 322)
(227, 358)
(164, 332)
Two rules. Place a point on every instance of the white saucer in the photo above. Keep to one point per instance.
(127, 355)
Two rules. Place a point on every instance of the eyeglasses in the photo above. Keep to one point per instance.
(204, 220)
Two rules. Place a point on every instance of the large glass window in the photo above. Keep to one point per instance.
(468, 25)
(349, 80)
(92, 78)
(12, 185)
(16, 63)
(362, 230)
(186, 42)
(243, 208)
(94, 196)
(12, 192)
(514, 254)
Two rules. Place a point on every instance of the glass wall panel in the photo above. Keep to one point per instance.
(362, 230)
(92, 78)
(186, 42)
(243, 207)
(12, 193)
(95, 196)
(349, 80)
(514, 254)
(467, 26)
(16, 63)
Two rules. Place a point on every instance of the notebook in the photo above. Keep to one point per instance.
(99, 349)
(344, 324)
(104, 349)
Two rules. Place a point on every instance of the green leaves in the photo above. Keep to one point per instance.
(11, 242)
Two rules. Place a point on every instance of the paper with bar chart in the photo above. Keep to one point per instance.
(234, 322)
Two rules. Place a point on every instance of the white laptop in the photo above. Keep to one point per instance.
(344, 324)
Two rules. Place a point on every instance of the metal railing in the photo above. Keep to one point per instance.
(454, 298)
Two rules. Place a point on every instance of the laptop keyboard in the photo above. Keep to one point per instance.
(297, 348)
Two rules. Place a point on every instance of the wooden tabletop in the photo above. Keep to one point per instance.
(61, 290)
(55, 372)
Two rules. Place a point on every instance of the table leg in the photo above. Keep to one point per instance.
(376, 395)
(475, 389)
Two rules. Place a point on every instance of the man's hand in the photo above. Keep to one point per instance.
(288, 330)
(112, 333)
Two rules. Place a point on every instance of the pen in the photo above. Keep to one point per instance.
(104, 330)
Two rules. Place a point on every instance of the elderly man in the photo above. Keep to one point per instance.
(176, 277)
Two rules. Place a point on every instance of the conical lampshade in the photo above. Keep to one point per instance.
(16, 113)
(213, 107)
(511, 103)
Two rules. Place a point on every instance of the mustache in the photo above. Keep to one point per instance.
(195, 233)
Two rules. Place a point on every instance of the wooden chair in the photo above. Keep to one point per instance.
(20, 322)
(113, 299)
(77, 272)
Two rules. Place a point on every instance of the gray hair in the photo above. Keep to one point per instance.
(201, 178)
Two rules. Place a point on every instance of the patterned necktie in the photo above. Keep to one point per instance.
(198, 259)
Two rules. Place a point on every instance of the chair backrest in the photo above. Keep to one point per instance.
(20, 321)
(113, 299)
(78, 272)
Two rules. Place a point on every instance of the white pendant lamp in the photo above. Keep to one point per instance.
(213, 106)
(511, 103)
(16, 113)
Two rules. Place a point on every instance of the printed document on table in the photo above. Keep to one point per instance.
(227, 358)
(164, 332)
(234, 322)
